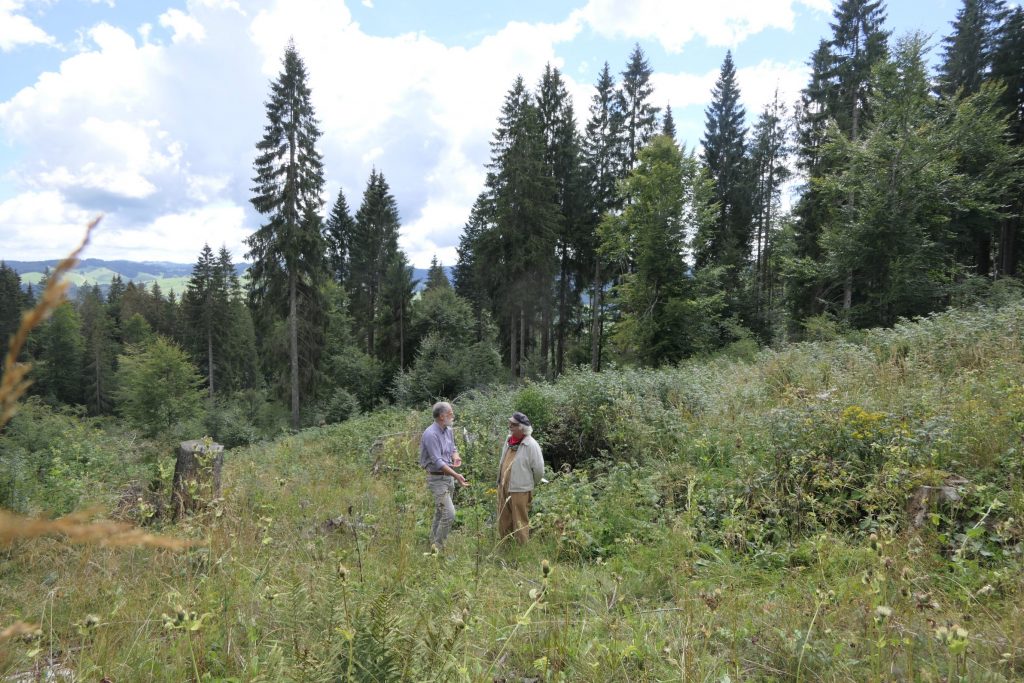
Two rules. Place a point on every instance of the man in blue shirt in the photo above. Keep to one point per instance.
(439, 458)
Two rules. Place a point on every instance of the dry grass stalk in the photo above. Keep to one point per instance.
(14, 383)
(78, 528)
(18, 628)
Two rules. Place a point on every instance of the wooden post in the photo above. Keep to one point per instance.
(196, 475)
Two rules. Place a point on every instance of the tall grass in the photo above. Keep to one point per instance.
(722, 520)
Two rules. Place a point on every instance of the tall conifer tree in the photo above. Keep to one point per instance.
(99, 352)
(287, 252)
(603, 166)
(639, 116)
(563, 155)
(525, 216)
(668, 124)
(373, 247)
(338, 231)
(1008, 69)
(728, 241)
(969, 50)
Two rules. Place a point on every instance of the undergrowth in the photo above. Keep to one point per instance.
(722, 520)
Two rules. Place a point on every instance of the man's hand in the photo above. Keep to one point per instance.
(456, 459)
(461, 479)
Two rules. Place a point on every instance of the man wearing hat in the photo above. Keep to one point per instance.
(521, 468)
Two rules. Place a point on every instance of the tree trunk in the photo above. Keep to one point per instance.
(848, 291)
(522, 340)
(401, 335)
(595, 320)
(513, 345)
(196, 476)
(1008, 229)
(293, 343)
(209, 358)
(563, 314)
(545, 338)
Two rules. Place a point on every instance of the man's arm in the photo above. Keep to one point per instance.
(537, 463)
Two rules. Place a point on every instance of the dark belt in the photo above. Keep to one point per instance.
(443, 474)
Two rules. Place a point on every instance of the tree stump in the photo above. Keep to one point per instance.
(196, 476)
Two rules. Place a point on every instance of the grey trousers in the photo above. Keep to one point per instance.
(441, 487)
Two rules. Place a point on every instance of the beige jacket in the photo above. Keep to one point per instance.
(528, 467)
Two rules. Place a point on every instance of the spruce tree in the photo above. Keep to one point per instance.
(603, 167)
(240, 369)
(60, 367)
(526, 218)
(206, 306)
(12, 302)
(727, 242)
(639, 116)
(436, 277)
(563, 156)
(858, 43)
(372, 250)
(287, 251)
(1008, 70)
(99, 352)
(668, 124)
(399, 287)
(969, 50)
(338, 229)
(472, 276)
(769, 151)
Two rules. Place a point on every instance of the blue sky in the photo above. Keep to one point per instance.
(148, 111)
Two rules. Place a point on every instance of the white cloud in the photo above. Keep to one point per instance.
(185, 26)
(218, 4)
(46, 225)
(368, 3)
(41, 225)
(759, 83)
(178, 237)
(674, 24)
(683, 89)
(115, 76)
(17, 29)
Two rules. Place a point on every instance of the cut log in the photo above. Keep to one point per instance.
(196, 476)
(926, 496)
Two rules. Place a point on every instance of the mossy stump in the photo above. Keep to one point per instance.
(196, 476)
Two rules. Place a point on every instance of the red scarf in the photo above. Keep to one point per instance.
(512, 441)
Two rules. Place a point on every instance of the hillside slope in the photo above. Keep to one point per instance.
(724, 520)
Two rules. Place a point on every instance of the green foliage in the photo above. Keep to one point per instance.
(12, 302)
(61, 355)
(55, 460)
(375, 651)
(158, 387)
(341, 406)
(446, 369)
(665, 198)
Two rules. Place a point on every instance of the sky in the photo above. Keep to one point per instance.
(148, 111)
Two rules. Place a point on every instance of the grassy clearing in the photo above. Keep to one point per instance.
(724, 520)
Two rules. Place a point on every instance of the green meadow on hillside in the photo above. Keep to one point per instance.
(729, 519)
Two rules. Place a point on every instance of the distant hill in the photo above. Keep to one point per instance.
(170, 276)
